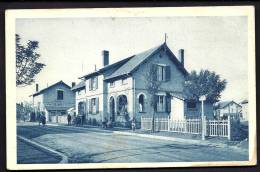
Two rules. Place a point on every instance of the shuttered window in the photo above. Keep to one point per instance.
(94, 105)
(93, 83)
(161, 72)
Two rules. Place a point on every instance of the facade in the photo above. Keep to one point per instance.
(118, 91)
(244, 105)
(227, 108)
(54, 101)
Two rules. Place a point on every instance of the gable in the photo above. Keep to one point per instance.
(130, 66)
(50, 87)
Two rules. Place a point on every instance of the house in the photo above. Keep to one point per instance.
(118, 91)
(54, 101)
(244, 105)
(227, 108)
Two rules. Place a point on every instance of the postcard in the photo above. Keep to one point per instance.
(130, 87)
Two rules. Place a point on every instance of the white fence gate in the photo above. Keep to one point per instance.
(213, 128)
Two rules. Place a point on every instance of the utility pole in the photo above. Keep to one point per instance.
(203, 129)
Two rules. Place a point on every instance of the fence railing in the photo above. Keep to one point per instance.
(192, 126)
(220, 128)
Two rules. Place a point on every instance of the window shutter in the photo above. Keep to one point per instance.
(97, 105)
(157, 100)
(168, 103)
(168, 73)
(153, 72)
(90, 106)
(86, 106)
(89, 84)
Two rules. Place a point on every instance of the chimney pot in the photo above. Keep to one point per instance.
(105, 55)
(73, 84)
(181, 56)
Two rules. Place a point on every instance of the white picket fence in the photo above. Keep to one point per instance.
(218, 128)
(192, 126)
(213, 128)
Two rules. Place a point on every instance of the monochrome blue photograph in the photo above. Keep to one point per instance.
(133, 90)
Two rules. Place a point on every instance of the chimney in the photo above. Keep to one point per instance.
(105, 55)
(181, 56)
(73, 84)
(37, 87)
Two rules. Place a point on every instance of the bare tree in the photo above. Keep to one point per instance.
(152, 86)
(27, 66)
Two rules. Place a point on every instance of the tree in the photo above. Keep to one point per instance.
(27, 66)
(152, 86)
(204, 83)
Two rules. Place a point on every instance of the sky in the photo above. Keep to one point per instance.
(71, 47)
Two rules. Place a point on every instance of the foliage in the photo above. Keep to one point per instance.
(27, 66)
(152, 86)
(204, 83)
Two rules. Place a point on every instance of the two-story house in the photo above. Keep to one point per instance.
(224, 109)
(54, 100)
(119, 92)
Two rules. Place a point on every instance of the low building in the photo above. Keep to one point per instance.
(244, 105)
(224, 109)
(54, 101)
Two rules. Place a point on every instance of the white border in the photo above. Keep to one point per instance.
(12, 15)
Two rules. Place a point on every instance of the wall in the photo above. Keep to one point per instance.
(174, 85)
(120, 89)
(196, 112)
(245, 112)
(50, 96)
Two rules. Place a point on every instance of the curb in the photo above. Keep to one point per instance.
(64, 158)
(157, 137)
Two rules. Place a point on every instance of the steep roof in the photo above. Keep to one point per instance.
(105, 68)
(80, 85)
(47, 88)
(128, 65)
(133, 63)
(223, 104)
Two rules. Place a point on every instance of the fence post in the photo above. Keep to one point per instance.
(229, 127)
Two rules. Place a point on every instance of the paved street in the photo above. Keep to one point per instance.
(83, 145)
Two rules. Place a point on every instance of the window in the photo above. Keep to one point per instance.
(124, 81)
(161, 72)
(94, 105)
(59, 95)
(141, 103)
(112, 84)
(93, 83)
(161, 103)
(191, 104)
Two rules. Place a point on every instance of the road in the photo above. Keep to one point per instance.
(82, 145)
